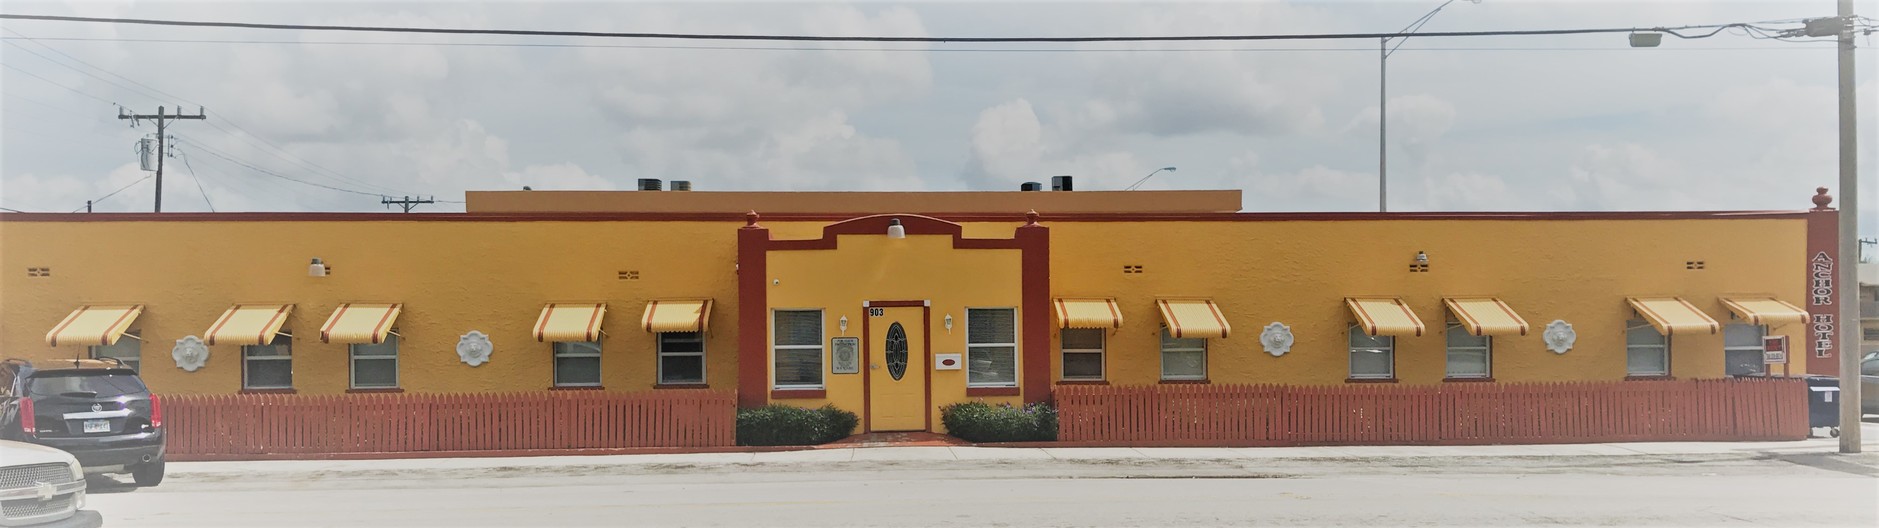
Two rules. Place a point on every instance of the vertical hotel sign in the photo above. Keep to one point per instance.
(1823, 310)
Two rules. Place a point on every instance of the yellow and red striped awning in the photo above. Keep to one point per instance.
(1673, 315)
(1193, 318)
(677, 316)
(1384, 316)
(94, 325)
(1484, 316)
(570, 322)
(1088, 313)
(1765, 310)
(360, 323)
(248, 324)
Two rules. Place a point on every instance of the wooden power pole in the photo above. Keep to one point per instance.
(163, 123)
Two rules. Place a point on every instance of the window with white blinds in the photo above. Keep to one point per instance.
(992, 347)
(797, 355)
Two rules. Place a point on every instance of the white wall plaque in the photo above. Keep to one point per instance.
(947, 362)
(190, 353)
(1559, 336)
(474, 348)
(845, 355)
(1277, 338)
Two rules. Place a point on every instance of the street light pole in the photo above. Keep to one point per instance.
(1383, 101)
(1849, 242)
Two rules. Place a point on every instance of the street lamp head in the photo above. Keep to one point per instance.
(1649, 39)
(1169, 169)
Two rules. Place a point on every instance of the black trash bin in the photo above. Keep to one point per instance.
(1823, 402)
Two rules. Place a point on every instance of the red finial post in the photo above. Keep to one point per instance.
(1030, 218)
(1821, 199)
(750, 219)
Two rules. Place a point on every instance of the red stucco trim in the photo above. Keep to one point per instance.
(1370, 380)
(753, 309)
(1184, 382)
(836, 216)
(676, 386)
(989, 391)
(388, 390)
(785, 394)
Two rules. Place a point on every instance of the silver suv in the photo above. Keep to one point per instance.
(42, 487)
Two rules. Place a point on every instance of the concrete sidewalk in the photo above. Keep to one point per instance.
(967, 453)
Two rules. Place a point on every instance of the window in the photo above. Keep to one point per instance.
(992, 347)
(1372, 357)
(577, 363)
(1083, 353)
(681, 357)
(128, 349)
(269, 366)
(1868, 334)
(1468, 354)
(798, 353)
(1647, 353)
(375, 366)
(1742, 349)
(1183, 358)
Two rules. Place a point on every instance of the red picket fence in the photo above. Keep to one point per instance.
(1456, 413)
(283, 425)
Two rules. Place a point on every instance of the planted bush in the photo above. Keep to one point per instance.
(778, 424)
(983, 422)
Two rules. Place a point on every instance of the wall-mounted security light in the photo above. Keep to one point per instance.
(317, 268)
(1422, 258)
(895, 230)
(949, 323)
(842, 324)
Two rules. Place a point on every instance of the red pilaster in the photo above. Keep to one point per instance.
(1822, 345)
(753, 307)
(1034, 243)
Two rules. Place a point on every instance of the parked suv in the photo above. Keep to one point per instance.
(42, 487)
(97, 410)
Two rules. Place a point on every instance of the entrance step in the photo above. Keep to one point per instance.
(901, 439)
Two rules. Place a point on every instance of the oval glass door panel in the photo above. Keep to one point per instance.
(896, 351)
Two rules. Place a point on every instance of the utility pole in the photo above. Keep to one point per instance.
(163, 123)
(1848, 281)
(407, 203)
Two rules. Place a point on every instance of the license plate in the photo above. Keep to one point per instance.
(97, 426)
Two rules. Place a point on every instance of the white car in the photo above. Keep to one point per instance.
(42, 487)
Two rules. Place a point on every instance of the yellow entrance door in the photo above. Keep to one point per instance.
(897, 372)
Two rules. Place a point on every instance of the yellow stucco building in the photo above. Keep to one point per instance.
(895, 304)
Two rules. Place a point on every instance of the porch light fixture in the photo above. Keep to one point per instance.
(1422, 258)
(894, 229)
(842, 324)
(317, 268)
(949, 323)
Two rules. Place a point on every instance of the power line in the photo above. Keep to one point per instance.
(154, 92)
(56, 83)
(198, 180)
(212, 152)
(88, 203)
(1674, 31)
(879, 49)
(11, 210)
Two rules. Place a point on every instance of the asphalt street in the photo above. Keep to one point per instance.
(1717, 489)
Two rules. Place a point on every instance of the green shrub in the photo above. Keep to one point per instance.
(982, 422)
(778, 424)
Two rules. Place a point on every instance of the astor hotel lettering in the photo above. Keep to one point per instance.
(1821, 290)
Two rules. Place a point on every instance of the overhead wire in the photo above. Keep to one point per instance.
(61, 85)
(873, 49)
(1675, 31)
(114, 193)
(184, 155)
(213, 152)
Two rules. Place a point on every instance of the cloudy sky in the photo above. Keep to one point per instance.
(1504, 123)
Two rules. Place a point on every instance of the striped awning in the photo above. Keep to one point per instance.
(1764, 310)
(360, 323)
(1673, 315)
(248, 324)
(1484, 316)
(1384, 316)
(1088, 313)
(570, 322)
(1193, 318)
(94, 325)
(677, 316)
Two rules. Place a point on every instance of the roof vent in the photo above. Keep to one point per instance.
(1031, 186)
(681, 185)
(649, 184)
(1060, 183)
